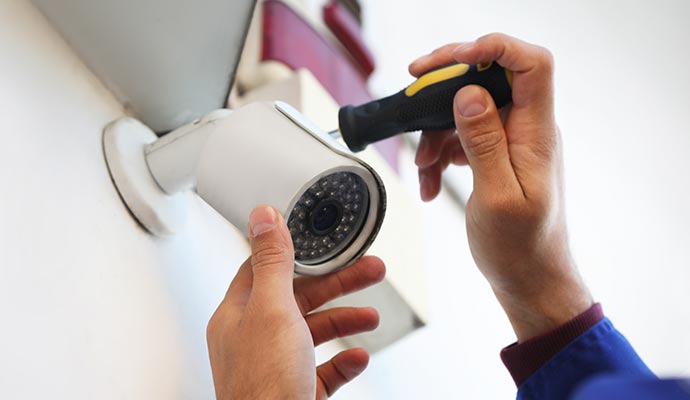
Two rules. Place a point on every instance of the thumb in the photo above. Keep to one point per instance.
(273, 258)
(483, 139)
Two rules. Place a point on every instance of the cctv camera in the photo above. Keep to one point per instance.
(262, 153)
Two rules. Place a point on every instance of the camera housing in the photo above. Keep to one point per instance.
(262, 153)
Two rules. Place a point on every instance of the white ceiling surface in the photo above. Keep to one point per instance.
(622, 97)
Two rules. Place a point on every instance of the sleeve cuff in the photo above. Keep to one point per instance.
(524, 359)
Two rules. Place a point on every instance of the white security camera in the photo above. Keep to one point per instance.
(262, 153)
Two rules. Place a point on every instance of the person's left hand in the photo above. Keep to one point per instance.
(261, 338)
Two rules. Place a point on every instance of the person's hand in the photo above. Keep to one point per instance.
(261, 338)
(515, 215)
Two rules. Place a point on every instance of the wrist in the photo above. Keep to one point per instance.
(261, 390)
(526, 358)
(541, 305)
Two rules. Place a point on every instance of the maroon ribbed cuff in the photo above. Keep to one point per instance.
(524, 359)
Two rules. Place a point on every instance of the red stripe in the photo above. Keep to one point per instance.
(346, 28)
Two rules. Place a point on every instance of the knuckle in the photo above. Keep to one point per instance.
(497, 40)
(492, 37)
(446, 48)
(210, 330)
(214, 327)
(545, 59)
(545, 149)
(482, 139)
(270, 253)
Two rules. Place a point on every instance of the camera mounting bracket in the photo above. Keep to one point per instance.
(124, 144)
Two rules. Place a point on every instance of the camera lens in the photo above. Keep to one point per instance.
(328, 217)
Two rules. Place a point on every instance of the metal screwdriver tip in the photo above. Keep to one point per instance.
(335, 134)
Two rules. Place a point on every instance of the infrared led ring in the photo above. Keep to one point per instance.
(328, 216)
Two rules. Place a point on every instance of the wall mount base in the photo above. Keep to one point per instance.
(124, 143)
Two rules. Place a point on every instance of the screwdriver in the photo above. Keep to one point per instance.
(427, 104)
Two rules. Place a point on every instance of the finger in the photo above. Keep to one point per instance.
(430, 146)
(453, 153)
(484, 140)
(532, 66)
(437, 58)
(272, 256)
(241, 286)
(430, 181)
(339, 370)
(312, 292)
(341, 322)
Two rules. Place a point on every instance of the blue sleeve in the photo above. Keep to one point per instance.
(608, 387)
(600, 350)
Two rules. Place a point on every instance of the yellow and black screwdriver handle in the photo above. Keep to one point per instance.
(427, 104)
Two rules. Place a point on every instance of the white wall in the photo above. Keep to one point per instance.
(92, 306)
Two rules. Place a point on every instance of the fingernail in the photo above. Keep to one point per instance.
(471, 102)
(423, 186)
(261, 219)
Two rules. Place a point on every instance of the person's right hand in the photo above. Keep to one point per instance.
(261, 338)
(515, 215)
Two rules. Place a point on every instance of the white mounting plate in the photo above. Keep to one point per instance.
(124, 142)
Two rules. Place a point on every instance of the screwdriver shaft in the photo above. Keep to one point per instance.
(335, 134)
